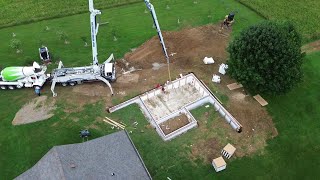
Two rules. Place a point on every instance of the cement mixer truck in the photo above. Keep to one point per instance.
(18, 77)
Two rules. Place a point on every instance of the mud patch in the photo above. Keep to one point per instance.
(38, 109)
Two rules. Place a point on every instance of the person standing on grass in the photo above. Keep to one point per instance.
(37, 90)
(228, 21)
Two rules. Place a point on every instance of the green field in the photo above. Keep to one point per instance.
(14, 12)
(293, 154)
(130, 24)
(304, 14)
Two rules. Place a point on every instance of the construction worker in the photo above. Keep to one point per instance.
(37, 90)
(228, 21)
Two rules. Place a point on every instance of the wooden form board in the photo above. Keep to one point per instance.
(260, 100)
(234, 86)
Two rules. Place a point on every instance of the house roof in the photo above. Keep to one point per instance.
(109, 157)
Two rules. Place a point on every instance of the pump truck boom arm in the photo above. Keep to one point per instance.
(94, 31)
(104, 72)
(156, 23)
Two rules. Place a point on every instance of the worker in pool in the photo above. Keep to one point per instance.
(228, 21)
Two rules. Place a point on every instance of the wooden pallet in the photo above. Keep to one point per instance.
(260, 100)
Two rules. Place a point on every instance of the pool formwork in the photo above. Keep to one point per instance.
(175, 98)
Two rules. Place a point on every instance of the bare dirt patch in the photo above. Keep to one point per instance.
(128, 78)
(89, 90)
(173, 124)
(206, 150)
(38, 109)
(311, 47)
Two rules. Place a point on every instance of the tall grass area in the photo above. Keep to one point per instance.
(304, 14)
(22, 146)
(13, 12)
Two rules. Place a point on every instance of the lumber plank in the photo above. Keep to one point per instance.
(115, 122)
(234, 86)
(260, 100)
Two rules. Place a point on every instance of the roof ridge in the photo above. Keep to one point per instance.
(135, 149)
(60, 164)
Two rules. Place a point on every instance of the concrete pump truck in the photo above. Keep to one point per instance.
(34, 76)
(105, 72)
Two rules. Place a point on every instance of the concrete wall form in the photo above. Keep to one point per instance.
(192, 80)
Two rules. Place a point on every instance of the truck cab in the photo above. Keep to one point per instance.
(109, 72)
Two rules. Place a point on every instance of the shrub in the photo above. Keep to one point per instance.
(266, 58)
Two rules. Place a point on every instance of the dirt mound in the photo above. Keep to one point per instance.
(36, 110)
(182, 47)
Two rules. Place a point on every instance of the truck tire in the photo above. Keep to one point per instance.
(11, 87)
(64, 84)
(18, 86)
(72, 83)
(3, 87)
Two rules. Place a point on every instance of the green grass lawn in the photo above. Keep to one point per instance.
(14, 12)
(293, 154)
(304, 14)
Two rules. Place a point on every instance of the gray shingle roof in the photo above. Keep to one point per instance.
(94, 159)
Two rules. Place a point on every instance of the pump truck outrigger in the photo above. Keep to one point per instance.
(105, 72)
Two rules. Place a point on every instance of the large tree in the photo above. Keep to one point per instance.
(266, 58)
